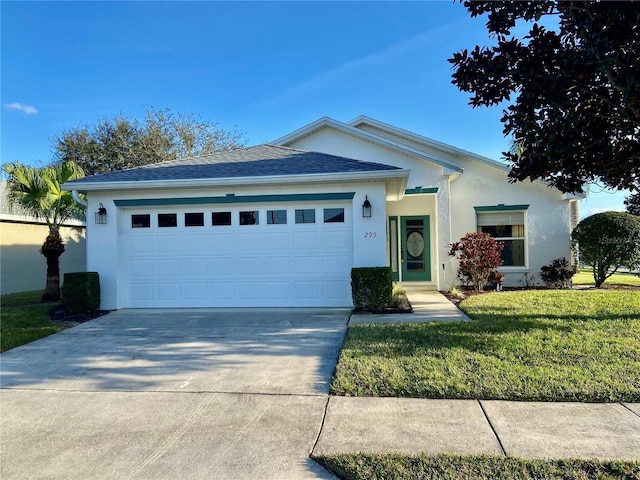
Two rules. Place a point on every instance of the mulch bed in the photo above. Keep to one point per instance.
(61, 314)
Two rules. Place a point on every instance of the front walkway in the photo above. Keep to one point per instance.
(428, 306)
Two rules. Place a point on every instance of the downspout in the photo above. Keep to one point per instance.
(76, 197)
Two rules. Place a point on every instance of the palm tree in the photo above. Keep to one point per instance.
(36, 190)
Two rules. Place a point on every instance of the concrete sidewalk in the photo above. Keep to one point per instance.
(470, 427)
(428, 306)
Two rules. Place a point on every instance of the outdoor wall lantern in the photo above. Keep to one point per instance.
(366, 208)
(101, 215)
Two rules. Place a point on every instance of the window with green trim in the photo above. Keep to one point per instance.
(507, 227)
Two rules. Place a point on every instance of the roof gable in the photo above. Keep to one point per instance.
(391, 132)
(327, 122)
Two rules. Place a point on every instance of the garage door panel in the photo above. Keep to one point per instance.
(335, 290)
(194, 267)
(166, 244)
(237, 265)
(141, 268)
(276, 265)
(141, 292)
(193, 243)
(338, 264)
(247, 266)
(308, 240)
(195, 291)
(307, 265)
(168, 291)
(138, 244)
(220, 267)
(248, 241)
(307, 290)
(222, 290)
(167, 267)
(219, 240)
(338, 240)
(277, 290)
(249, 290)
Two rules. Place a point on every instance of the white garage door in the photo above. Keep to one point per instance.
(246, 255)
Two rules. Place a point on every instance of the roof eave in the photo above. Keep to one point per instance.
(381, 175)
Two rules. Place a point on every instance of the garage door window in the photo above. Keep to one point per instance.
(167, 220)
(249, 218)
(194, 219)
(306, 215)
(140, 221)
(334, 215)
(276, 217)
(220, 218)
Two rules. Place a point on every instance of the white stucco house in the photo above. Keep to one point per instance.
(282, 224)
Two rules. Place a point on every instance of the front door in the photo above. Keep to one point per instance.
(415, 249)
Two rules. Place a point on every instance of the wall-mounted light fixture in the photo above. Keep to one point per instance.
(366, 208)
(101, 215)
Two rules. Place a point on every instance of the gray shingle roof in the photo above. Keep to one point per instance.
(261, 160)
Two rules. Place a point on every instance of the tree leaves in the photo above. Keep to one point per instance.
(120, 143)
(575, 87)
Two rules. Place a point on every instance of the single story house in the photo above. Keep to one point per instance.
(23, 268)
(282, 224)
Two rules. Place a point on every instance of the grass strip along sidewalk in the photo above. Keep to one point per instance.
(533, 345)
(485, 467)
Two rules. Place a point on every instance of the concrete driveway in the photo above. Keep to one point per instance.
(202, 393)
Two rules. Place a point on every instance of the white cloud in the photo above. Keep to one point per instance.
(21, 107)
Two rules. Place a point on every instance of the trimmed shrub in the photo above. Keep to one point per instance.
(81, 291)
(608, 241)
(372, 288)
(557, 274)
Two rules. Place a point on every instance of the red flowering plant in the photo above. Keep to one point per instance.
(478, 256)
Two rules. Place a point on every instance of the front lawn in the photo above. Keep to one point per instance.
(546, 345)
(454, 467)
(23, 319)
(585, 277)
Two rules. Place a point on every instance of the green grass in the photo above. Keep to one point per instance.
(389, 467)
(23, 319)
(585, 277)
(545, 345)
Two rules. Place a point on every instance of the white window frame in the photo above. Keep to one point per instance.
(501, 210)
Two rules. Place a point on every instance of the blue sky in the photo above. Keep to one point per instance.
(266, 67)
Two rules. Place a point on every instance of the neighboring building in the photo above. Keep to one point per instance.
(283, 224)
(22, 266)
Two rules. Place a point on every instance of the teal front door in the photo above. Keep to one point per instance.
(415, 249)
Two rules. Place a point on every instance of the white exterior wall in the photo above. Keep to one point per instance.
(451, 211)
(104, 250)
(547, 227)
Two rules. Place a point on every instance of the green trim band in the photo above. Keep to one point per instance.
(418, 190)
(231, 198)
(501, 207)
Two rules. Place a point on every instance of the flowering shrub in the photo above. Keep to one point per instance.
(478, 255)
